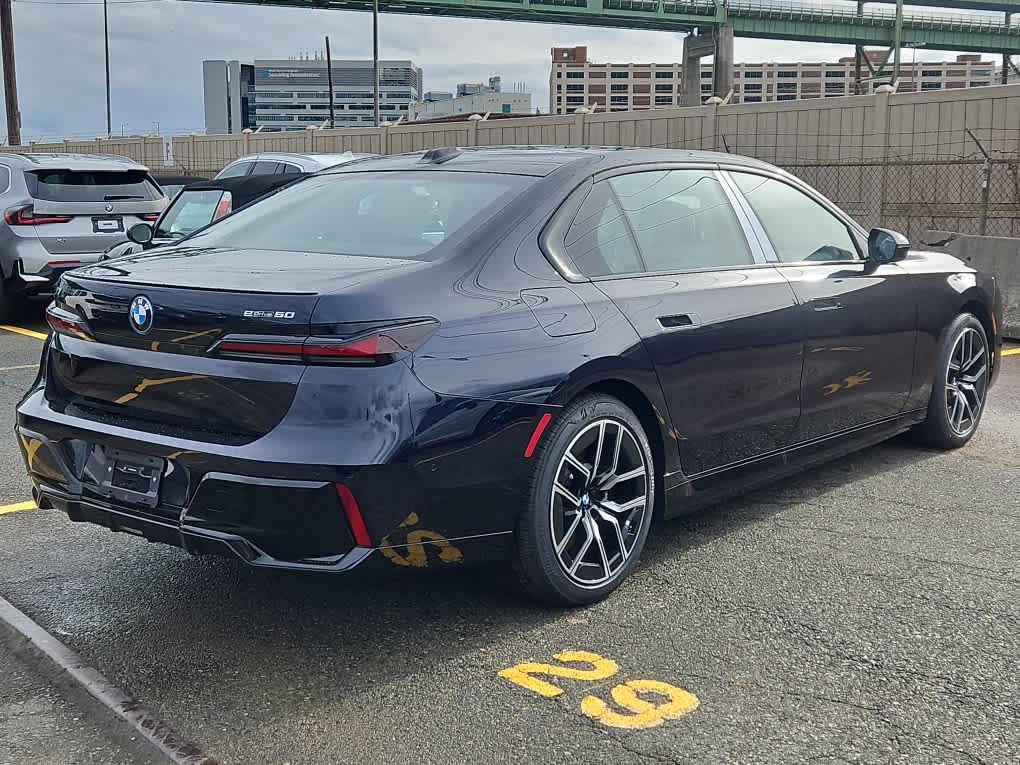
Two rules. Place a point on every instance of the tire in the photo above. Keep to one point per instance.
(11, 303)
(585, 517)
(959, 386)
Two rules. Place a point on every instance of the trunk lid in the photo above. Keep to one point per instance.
(161, 376)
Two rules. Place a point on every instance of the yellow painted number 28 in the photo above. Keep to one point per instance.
(632, 696)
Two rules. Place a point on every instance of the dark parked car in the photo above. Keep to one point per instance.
(529, 353)
(195, 207)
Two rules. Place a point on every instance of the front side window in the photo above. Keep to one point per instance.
(385, 215)
(659, 221)
(799, 228)
(235, 170)
(189, 212)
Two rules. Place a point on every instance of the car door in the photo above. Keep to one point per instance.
(860, 317)
(672, 252)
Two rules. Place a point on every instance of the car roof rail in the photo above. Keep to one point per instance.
(439, 156)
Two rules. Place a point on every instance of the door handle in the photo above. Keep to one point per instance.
(677, 321)
(826, 305)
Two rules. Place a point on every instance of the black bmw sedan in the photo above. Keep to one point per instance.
(462, 355)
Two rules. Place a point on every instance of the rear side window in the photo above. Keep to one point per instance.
(266, 168)
(189, 212)
(799, 228)
(91, 185)
(386, 215)
(285, 167)
(5, 178)
(657, 221)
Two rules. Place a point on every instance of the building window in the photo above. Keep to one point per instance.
(298, 107)
(559, 88)
(785, 98)
(575, 87)
(706, 87)
(663, 75)
(275, 118)
(835, 73)
(345, 94)
(752, 87)
(619, 75)
(575, 75)
(787, 74)
(751, 99)
(559, 75)
(664, 100)
(786, 87)
(931, 85)
(980, 73)
(664, 88)
(618, 88)
(931, 73)
(312, 94)
(706, 74)
(575, 100)
(618, 99)
(264, 94)
(752, 74)
(980, 84)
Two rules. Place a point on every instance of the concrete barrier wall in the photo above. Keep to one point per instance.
(908, 161)
(999, 256)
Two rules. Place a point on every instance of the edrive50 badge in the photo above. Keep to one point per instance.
(141, 314)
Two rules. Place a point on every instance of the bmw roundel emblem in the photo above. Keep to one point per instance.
(109, 208)
(141, 314)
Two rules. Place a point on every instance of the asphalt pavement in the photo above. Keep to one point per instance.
(863, 612)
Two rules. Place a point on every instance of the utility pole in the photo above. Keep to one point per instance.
(106, 46)
(329, 79)
(10, 79)
(1005, 56)
(375, 56)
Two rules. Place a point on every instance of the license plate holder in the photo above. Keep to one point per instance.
(107, 224)
(132, 478)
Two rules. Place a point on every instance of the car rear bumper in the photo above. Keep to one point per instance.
(453, 500)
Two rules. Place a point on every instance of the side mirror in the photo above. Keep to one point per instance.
(140, 233)
(885, 246)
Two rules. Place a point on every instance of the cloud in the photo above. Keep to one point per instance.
(157, 48)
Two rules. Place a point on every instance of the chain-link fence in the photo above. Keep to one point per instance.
(970, 196)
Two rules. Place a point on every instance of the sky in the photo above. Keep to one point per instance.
(157, 48)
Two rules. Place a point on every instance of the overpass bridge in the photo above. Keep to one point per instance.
(712, 24)
(841, 23)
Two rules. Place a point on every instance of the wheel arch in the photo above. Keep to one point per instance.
(653, 423)
(984, 315)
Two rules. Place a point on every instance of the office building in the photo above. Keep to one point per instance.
(574, 81)
(293, 94)
(472, 98)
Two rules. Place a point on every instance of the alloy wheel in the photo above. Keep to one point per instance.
(598, 503)
(966, 381)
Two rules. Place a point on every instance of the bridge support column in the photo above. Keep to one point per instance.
(723, 67)
(696, 46)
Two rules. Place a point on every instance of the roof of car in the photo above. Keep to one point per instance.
(542, 160)
(72, 161)
(322, 159)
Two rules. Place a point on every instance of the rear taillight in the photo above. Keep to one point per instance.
(377, 346)
(64, 322)
(223, 208)
(150, 217)
(25, 216)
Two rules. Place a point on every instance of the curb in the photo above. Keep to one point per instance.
(34, 639)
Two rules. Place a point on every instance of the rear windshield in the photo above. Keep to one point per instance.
(189, 212)
(387, 215)
(91, 185)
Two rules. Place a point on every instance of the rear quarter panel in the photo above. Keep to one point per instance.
(946, 286)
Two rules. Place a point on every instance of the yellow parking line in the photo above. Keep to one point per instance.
(16, 507)
(1011, 352)
(23, 331)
